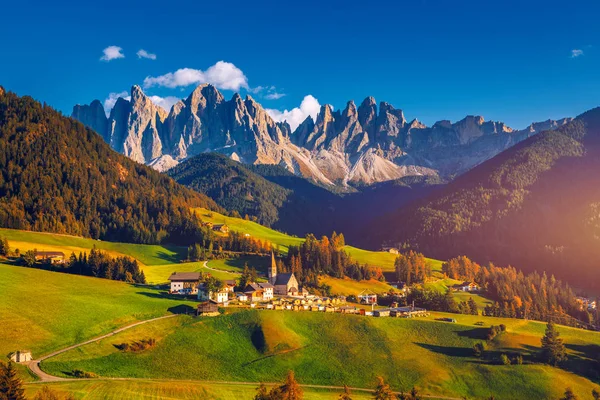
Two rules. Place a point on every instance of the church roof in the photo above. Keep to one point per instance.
(284, 279)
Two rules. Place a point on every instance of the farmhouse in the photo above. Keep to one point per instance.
(268, 290)
(184, 282)
(254, 292)
(241, 296)
(220, 228)
(367, 297)
(468, 287)
(221, 296)
(207, 309)
(50, 257)
(230, 285)
(20, 356)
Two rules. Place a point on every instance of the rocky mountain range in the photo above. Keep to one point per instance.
(354, 146)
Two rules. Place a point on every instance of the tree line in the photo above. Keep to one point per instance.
(97, 264)
(325, 256)
(517, 295)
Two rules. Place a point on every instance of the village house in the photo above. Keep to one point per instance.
(220, 228)
(221, 296)
(241, 297)
(468, 287)
(268, 290)
(207, 309)
(230, 285)
(254, 292)
(367, 297)
(20, 356)
(50, 257)
(184, 282)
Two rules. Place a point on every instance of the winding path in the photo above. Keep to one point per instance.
(34, 365)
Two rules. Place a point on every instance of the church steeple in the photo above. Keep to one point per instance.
(272, 273)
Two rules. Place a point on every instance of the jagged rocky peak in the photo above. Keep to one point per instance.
(367, 115)
(205, 96)
(92, 116)
(365, 144)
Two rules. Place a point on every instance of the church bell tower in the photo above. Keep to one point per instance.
(272, 273)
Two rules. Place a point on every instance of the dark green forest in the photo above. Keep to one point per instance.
(58, 176)
(233, 186)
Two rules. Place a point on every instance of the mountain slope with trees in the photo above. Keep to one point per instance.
(58, 176)
(535, 206)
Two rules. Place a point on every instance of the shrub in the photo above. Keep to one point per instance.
(136, 346)
(77, 373)
(504, 360)
(519, 359)
(478, 349)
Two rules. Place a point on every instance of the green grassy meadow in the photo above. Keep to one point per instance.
(165, 389)
(334, 349)
(44, 311)
(145, 254)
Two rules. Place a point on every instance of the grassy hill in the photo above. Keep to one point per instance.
(341, 349)
(43, 311)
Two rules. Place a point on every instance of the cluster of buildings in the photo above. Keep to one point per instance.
(587, 303)
(223, 228)
(50, 257)
(278, 284)
(467, 287)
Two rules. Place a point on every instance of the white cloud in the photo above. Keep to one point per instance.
(274, 96)
(111, 100)
(112, 53)
(270, 92)
(309, 107)
(165, 102)
(144, 54)
(576, 53)
(223, 75)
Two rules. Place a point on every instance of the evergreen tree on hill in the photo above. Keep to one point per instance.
(11, 386)
(553, 349)
(569, 395)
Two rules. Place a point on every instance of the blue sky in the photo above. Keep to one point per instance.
(504, 60)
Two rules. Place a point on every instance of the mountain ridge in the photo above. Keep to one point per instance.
(354, 146)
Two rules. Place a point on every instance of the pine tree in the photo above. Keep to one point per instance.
(414, 394)
(11, 386)
(472, 307)
(553, 349)
(569, 395)
(262, 393)
(290, 390)
(346, 394)
(383, 391)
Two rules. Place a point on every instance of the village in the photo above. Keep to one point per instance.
(281, 291)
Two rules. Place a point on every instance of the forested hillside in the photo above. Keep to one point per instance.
(535, 206)
(58, 176)
(232, 185)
